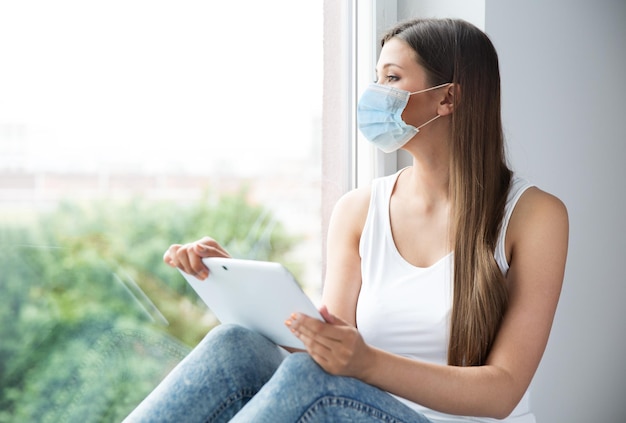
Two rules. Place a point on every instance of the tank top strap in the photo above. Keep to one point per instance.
(518, 187)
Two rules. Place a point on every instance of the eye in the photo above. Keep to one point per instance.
(387, 79)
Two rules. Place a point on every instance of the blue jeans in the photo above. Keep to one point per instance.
(237, 375)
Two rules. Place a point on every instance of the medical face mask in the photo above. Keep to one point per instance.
(379, 116)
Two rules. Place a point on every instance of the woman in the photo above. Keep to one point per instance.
(442, 280)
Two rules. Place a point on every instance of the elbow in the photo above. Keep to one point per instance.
(504, 395)
(494, 405)
(501, 408)
(502, 413)
(502, 400)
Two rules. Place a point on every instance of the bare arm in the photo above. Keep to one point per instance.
(342, 282)
(537, 243)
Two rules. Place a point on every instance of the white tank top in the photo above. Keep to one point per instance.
(406, 309)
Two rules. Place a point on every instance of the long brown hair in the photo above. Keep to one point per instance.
(455, 51)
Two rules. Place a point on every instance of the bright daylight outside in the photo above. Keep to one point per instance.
(126, 126)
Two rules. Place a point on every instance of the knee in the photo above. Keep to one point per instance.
(232, 334)
(223, 339)
(227, 341)
(301, 367)
(301, 361)
(228, 334)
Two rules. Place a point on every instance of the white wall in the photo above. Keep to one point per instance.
(471, 10)
(563, 66)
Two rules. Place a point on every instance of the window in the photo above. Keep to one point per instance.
(126, 126)
(351, 29)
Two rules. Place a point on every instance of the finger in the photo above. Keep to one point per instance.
(169, 255)
(324, 337)
(330, 330)
(331, 318)
(314, 345)
(182, 260)
(208, 247)
(321, 332)
(325, 352)
(326, 314)
(198, 268)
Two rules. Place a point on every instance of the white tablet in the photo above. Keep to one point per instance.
(258, 295)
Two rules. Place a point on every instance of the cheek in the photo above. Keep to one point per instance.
(411, 112)
(417, 112)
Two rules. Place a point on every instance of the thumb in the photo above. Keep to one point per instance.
(330, 318)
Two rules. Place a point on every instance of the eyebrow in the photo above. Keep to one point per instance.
(386, 65)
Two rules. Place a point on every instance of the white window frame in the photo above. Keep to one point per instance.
(374, 17)
(351, 32)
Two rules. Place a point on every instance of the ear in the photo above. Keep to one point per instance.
(450, 99)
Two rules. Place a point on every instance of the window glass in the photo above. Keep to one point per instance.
(126, 126)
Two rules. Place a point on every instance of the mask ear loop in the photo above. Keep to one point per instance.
(428, 89)
(424, 124)
(431, 88)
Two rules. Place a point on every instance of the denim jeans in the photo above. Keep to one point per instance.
(237, 375)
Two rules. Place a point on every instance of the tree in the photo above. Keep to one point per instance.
(91, 317)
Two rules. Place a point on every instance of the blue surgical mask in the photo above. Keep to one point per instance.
(379, 116)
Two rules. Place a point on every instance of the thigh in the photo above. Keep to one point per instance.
(215, 380)
(301, 391)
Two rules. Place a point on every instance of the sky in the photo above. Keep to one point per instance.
(153, 84)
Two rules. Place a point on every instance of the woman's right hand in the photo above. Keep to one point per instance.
(188, 257)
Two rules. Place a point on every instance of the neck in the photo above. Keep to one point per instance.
(429, 176)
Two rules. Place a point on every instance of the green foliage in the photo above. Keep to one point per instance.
(91, 318)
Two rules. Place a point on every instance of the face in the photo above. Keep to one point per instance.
(397, 67)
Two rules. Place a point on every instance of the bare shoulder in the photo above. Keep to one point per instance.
(539, 208)
(356, 199)
(351, 209)
(539, 227)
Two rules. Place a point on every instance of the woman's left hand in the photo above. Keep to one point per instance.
(334, 344)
